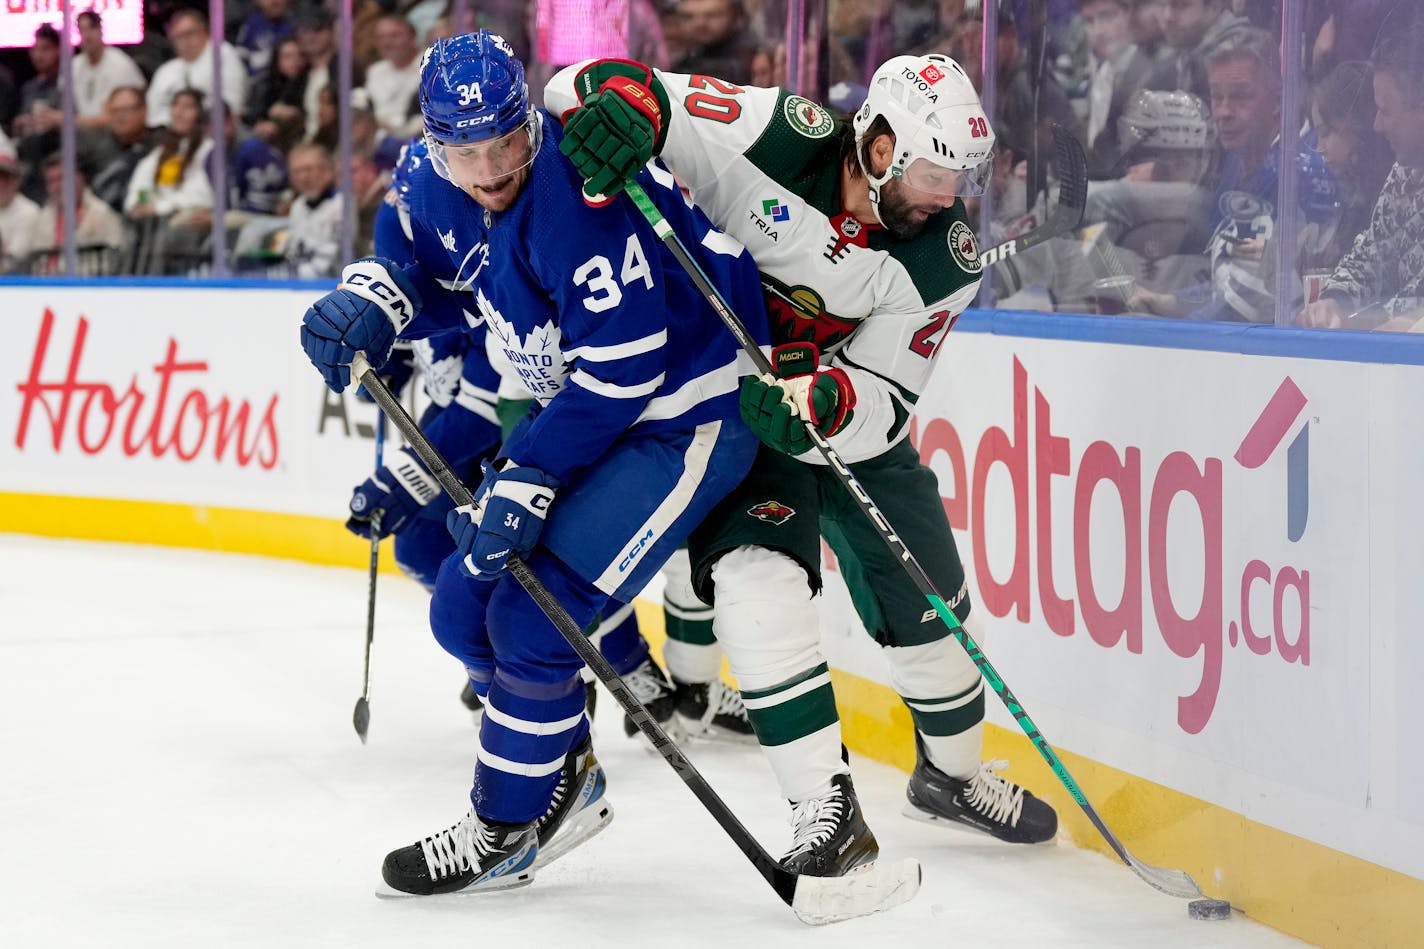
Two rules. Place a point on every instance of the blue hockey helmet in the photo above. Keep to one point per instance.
(472, 91)
(413, 154)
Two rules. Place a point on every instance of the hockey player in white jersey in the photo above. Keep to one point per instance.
(636, 438)
(862, 239)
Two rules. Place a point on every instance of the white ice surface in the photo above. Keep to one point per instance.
(178, 768)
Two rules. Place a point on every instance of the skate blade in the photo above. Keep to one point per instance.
(576, 830)
(870, 889)
(508, 882)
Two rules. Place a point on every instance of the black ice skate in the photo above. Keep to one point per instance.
(471, 700)
(712, 710)
(985, 802)
(472, 855)
(830, 838)
(654, 690)
(578, 809)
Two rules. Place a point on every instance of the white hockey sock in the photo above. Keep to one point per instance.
(770, 630)
(945, 694)
(691, 651)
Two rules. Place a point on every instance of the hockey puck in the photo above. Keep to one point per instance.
(1209, 909)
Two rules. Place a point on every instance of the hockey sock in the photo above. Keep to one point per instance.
(945, 694)
(619, 639)
(691, 651)
(770, 629)
(527, 731)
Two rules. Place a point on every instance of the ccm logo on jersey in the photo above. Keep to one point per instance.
(634, 551)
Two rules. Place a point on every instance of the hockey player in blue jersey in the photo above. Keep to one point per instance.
(470, 411)
(637, 437)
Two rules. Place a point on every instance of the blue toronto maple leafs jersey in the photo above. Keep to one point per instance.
(591, 311)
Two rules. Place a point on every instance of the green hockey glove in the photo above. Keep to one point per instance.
(613, 134)
(777, 407)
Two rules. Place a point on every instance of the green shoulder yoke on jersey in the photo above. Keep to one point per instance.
(806, 164)
(592, 77)
(937, 268)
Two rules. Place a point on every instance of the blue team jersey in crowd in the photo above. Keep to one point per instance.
(586, 304)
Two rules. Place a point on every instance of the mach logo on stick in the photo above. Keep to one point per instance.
(1266, 434)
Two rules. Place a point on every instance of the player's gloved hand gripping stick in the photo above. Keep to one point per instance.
(815, 900)
(1073, 190)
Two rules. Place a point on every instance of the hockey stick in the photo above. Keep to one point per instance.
(815, 900)
(1067, 214)
(1174, 882)
(361, 716)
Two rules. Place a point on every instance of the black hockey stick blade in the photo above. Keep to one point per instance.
(815, 900)
(1067, 214)
(361, 717)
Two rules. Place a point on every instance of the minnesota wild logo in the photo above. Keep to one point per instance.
(808, 118)
(773, 512)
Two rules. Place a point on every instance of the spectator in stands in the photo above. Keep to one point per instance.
(1244, 77)
(313, 245)
(1027, 108)
(1148, 17)
(98, 230)
(283, 85)
(717, 42)
(1380, 282)
(1196, 28)
(1117, 70)
(267, 25)
(394, 79)
(1342, 115)
(117, 150)
(318, 43)
(192, 67)
(17, 212)
(36, 128)
(98, 70)
(170, 195)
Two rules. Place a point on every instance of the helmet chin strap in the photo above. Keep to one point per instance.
(876, 182)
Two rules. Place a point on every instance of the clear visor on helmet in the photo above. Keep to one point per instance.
(488, 160)
(924, 175)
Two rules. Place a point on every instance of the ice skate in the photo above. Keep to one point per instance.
(472, 855)
(986, 802)
(471, 700)
(654, 690)
(578, 810)
(830, 836)
(713, 710)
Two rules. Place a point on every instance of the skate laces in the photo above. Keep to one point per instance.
(647, 683)
(722, 700)
(815, 820)
(450, 851)
(994, 796)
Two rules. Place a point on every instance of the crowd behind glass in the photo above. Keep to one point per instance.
(1234, 175)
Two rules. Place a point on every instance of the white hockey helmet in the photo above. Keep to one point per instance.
(1165, 120)
(944, 143)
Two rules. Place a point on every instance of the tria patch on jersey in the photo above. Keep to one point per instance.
(808, 118)
(964, 247)
(773, 512)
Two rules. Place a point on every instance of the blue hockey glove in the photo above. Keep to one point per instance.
(373, 303)
(776, 407)
(396, 492)
(396, 373)
(513, 504)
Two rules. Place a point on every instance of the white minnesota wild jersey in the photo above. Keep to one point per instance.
(764, 165)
